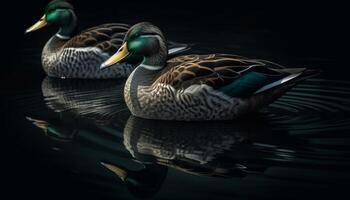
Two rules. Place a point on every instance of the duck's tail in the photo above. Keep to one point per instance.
(296, 75)
(273, 91)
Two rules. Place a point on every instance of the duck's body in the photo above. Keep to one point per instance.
(207, 87)
(197, 87)
(81, 55)
(67, 55)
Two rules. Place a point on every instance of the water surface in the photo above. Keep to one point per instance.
(298, 143)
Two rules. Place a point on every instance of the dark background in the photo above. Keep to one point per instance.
(305, 33)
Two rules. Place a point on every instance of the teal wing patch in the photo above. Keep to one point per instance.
(247, 84)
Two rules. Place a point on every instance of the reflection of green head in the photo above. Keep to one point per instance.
(53, 131)
(144, 183)
(57, 12)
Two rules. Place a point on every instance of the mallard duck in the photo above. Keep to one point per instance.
(79, 56)
(197, 87)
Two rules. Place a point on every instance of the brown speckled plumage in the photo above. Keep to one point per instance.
(189, 90)
(215, 70)
(82, 55)
(107, 37)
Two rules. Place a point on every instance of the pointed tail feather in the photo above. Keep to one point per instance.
(296, 75)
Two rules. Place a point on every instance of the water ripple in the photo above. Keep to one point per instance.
(316, 105)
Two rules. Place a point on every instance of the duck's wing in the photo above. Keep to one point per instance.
(231, 74)
(106, 37)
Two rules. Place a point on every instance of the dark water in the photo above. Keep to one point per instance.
(297, 146)
(61, 132)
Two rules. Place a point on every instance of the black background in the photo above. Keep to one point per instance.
(307, 29)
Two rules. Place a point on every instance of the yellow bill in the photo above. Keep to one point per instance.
(122, 53)
(121, 173)
(41, 23)
(44, 125)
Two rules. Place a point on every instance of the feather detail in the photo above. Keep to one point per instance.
(107, 37)
(215, 70)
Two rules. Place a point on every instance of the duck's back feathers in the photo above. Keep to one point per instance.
(231, 74)
(109, 37)
(106, 37)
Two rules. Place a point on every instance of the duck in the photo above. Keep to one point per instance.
(197, 87)
(67, 55)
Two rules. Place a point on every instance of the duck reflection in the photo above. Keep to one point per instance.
(80, 106)
(218, 149)
(191, 147)
(99, 100)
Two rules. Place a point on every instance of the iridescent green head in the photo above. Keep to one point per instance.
(58, 12)
(143, 39)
